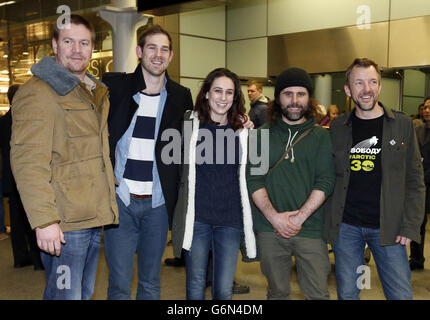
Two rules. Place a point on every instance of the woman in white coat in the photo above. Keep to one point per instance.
(213, 205)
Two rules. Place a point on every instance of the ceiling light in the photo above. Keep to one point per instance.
(7, 3)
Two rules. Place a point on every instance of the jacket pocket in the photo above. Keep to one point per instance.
(75, 199)
(27, 132)
(81, 120)
(396, 157)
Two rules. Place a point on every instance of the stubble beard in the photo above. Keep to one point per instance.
(294, 116)
(156, 72)
(365, 108)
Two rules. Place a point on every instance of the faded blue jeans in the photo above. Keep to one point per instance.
(225, 244)
(71, 276)
(142, 230)
(391, 263)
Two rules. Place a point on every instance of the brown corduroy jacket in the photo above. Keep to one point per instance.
(60, 150)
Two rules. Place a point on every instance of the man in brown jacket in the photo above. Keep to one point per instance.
(60, 160)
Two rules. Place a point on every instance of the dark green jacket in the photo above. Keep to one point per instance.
(291, 183)
(403, 190)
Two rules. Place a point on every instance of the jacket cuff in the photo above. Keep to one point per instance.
(409, 233)
(47, 224)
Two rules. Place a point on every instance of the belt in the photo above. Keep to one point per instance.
(140, 196)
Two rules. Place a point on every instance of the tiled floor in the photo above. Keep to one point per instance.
(26, 283)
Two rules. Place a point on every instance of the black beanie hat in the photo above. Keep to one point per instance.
(293, 77)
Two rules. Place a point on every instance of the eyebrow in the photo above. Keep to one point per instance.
(154, 44)
(365, 80)
(288, 91)
(70, 38)
(223, 88)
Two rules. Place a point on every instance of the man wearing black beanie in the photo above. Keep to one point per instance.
(289, 218)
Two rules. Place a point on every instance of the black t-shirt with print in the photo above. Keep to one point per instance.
(364, 190)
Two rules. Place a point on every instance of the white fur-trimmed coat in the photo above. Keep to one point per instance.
(183, 219)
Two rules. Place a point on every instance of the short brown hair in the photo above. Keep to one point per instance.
(77, 20)
(361, 63)
(256, 83)
(155, 29)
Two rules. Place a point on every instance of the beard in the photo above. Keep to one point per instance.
(291, 115)
(367, 107)
(156, 72)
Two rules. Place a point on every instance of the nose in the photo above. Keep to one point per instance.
(76, 47)
(366, 86)
(294, 97)
(224, 95)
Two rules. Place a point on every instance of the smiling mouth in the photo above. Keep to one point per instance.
(294, 109)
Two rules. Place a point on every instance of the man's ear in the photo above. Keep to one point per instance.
(54, 45)
(347, 90)
(139, 52)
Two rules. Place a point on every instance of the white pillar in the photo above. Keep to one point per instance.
(123, 3)
(124, 20)
(323, 85)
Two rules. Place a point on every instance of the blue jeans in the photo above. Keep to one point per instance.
(2, 227)
(391, 263)
(225, 244)
(71, 276)
(142, 229)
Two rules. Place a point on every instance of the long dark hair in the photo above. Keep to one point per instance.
(236, 114)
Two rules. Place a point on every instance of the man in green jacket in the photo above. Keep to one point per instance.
(289, 221)
(379, 193)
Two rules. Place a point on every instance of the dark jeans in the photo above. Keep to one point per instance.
(142, 230)
(225, 242)
(72, 275)
(391, 263)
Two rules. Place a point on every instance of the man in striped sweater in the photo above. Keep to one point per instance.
(143, 105)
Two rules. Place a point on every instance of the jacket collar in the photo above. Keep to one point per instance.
(140, 84)
(55, 75)
(388, 113)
